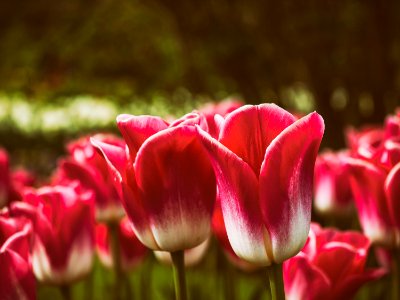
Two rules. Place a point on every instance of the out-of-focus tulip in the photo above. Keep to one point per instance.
(375, 181)
(332, 192)
(376, 192)
(17, 280)
(132, 251)
(215, 111)
(12, 183)
(5, 181)
(193, 256)
(86, 165)
(330, 266)
(365, 143)
(166, 180)
(63, 222)
(264, 164)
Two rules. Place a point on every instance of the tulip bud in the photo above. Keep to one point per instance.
(166, 180)
(86, 165)
(264, 163)
(63, 239)
(331, 184)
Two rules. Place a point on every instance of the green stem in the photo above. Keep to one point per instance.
(275, 276)
(226, 275)
(66, 292)
(395, 274)
(178, 265)
(113, 228)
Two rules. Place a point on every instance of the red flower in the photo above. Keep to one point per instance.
(87, 166)
(331, 184)
(13, 183)
(375, 182)
(17, 280)
(63, 221)
(264, 164)
(165, 179)
(330, 266)
(132, 250)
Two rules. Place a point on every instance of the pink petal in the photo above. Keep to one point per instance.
(238, 192)
(177, 186)
(116, 159)
(249, 130)
(367, 183)
(304, 281)
(347, 287)
(392, 190)
(286, 184)
(136, 129)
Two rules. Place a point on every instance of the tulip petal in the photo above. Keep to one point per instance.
(238, 190)
(249, 130)
(392, 190)
(367, 182)
(136, 129)
(286, 180)
(116, 159)
(177, 185)
(299, 275)
(348, 287)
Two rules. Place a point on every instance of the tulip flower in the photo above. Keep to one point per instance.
(17, 280)
(330, 266)
(376, 193)
(12, 183)
(132, 250)
(331, 184)
(63, 242)
(264, 164)
(166, 183)
(86, 165)
(5, 181)
(166, 180)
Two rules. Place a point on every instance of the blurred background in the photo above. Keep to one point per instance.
(70, 67)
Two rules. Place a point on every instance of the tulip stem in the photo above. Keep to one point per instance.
(116, 258)
(275, 276)
(395, 274)
(178, 264)
(66, 292)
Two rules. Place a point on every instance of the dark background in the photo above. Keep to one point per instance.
(342, 57)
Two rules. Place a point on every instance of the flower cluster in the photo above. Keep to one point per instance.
(246, 174)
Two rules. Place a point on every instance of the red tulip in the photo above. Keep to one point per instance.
(330, 266)
(89, 168)
(332, 192)
(376, 192)
(5, 181)
(264, 164)
(132, 250)
(63, 221)
(17, 280)
(12, 183)
(165, 179)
